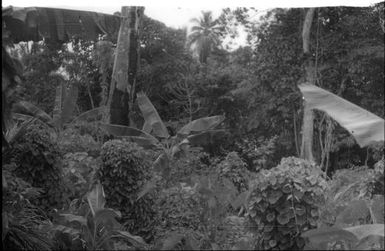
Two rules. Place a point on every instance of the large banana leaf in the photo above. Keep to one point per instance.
(35, 23)
(363, 231)
(27, 108)
(93, 114)
(365, 126)
(207, 137)
(131, 133)
(151, 116)
(96, 199)
(201, 124)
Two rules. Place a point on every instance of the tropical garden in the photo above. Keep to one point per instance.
(120, 133)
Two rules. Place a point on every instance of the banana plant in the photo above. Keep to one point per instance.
(363, 125)
(154, 133)
(98, 228)
(65, 102)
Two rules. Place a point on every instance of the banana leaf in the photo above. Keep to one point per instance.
(130, 133)
(145, 142)
(58, 25)
(365, 126)
(205, 138)
(27, 108)
(96, 199)
(201, 124)
(363, 231)
(93, 114)
(321, 236)
(151, 116)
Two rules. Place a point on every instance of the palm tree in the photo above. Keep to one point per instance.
(204, 35)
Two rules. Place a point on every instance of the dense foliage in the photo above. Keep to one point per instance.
(123, 173)
(217, 135)
(284, 202)
(37, 160)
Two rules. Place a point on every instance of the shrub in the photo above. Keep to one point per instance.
(258, 153)
(79, 172)
(283, 202)
(124, 171)
(37, 161)
(71, 140)
(21, 221)
(351, 189)
(234, 169)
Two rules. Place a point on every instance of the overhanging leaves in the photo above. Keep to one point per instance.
(365, 126)
(57, 25)
(201, 124)
(27, 108)
(151, 116)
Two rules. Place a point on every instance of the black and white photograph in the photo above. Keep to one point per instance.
(193, 125)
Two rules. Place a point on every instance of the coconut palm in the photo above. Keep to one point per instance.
(204, 35)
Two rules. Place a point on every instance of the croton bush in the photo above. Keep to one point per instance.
(284, 202)
(123, 173)
(37, 160)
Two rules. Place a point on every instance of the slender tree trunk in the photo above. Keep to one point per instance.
(122, 91)
(308, 117)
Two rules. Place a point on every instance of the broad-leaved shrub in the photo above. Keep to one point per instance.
(37, 159)
(283, 202)
(123, 173)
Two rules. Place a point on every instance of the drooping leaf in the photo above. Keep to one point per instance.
(205, 138)
(145, 142)
(377, 209)
(35, 23)
(365, 126)
(151, 116)
(27, 108)
(363, 231)
(329, 234)
(147, 127)
(96, 198)
(120, 130)
(93, 114)
(201, 124)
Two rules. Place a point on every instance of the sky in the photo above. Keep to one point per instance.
(178, 13)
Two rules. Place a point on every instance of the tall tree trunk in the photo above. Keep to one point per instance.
(122, 91)
(308, 117)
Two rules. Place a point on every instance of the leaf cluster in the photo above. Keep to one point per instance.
(37, 160)
(283, 202)
(124, 172)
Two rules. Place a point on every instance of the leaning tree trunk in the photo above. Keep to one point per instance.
(122, 91)
(308, 117)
